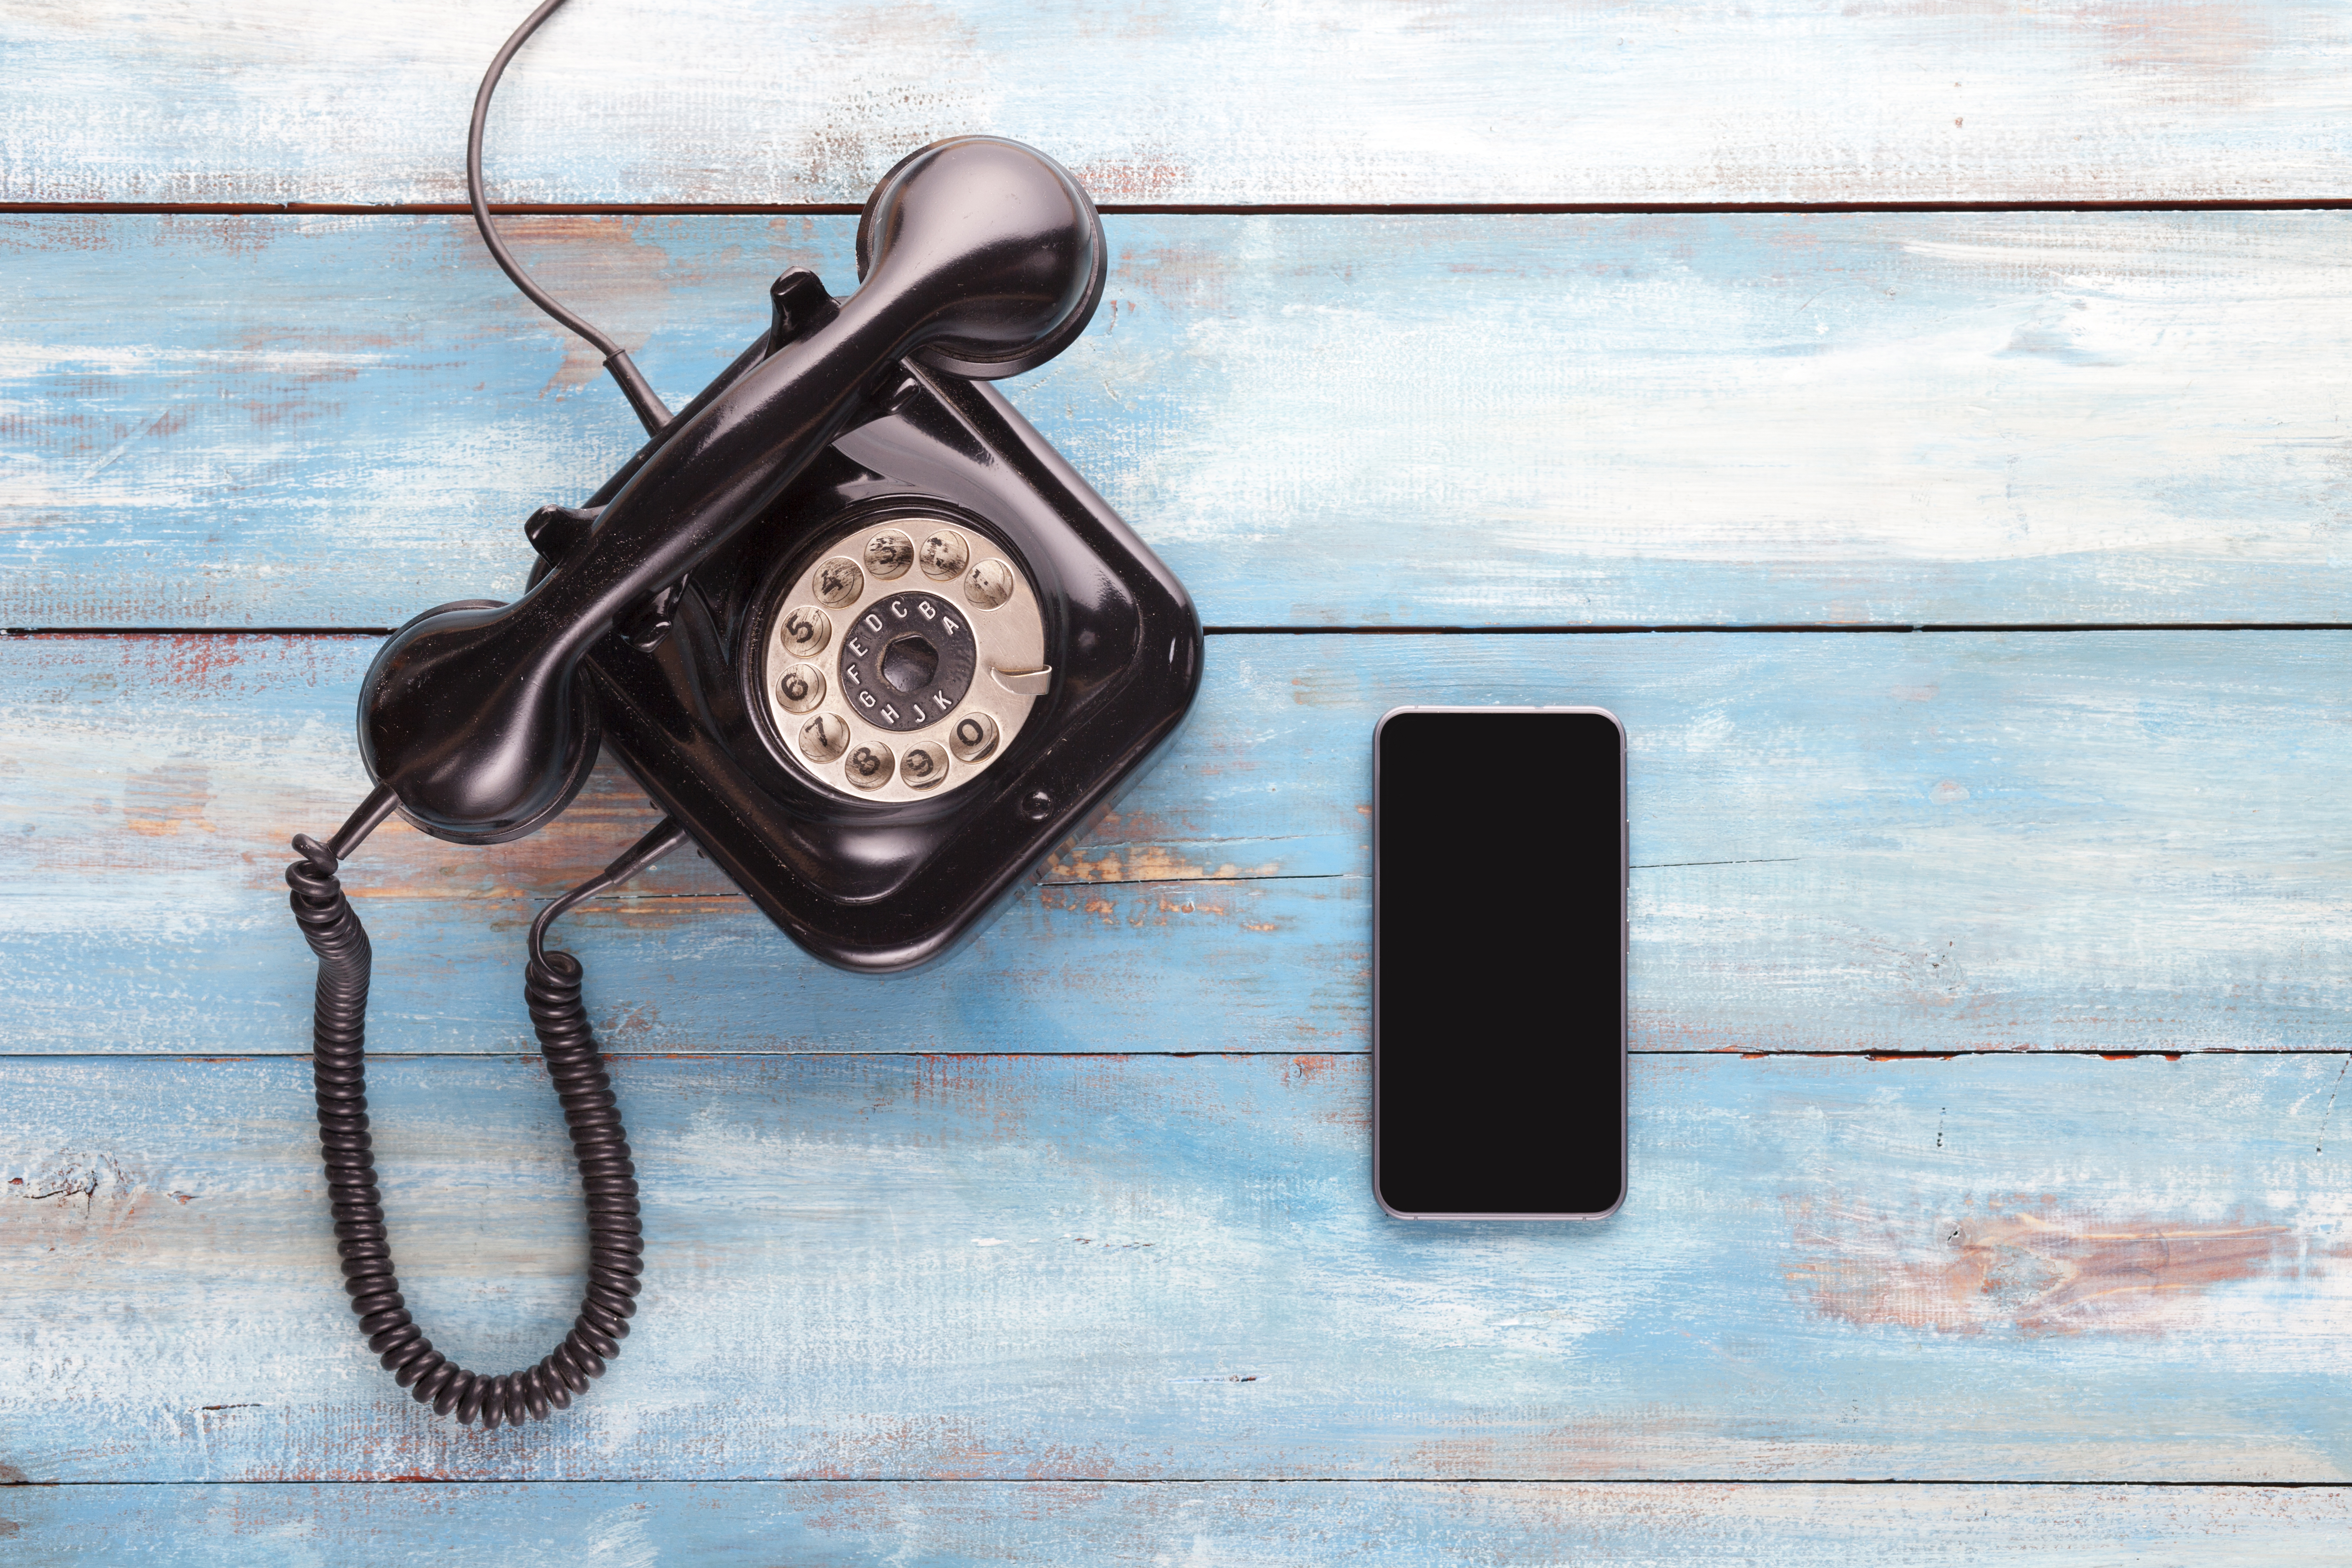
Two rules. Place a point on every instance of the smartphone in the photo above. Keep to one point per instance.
(1498, 962)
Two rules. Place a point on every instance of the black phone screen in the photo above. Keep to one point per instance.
(1498, 962)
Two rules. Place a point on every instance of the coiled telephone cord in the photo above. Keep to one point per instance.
(599, 1143)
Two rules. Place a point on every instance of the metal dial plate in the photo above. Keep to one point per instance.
(906, 660)
(958, 660)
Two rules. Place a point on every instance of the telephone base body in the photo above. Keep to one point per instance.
(876, 885)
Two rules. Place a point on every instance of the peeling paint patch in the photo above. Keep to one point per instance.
(1140, 909)
(166, 799)
(1147, 863)
(2022, 1265)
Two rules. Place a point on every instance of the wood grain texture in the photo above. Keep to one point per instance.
(1346, 101)
(2104, 842)
(1056, 1267)
(1064, 1251)
(1318, 421)
(1083, 1525)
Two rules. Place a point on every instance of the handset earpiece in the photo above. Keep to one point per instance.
(979, 256)
(1012, 306)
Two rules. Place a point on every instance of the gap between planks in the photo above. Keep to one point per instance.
(1079, 1479)
(1661, 628)
(1890, 1058)
(1175, 209)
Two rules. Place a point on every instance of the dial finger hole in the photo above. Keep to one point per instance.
(825, 736)
(868, 764)
(944, 555)
(924, 765)
(988, 585)
(973, 737)
(800, 687)
(805, 629)
(888, 553)
(839, 582)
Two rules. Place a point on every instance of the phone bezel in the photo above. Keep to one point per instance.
(1624, 955)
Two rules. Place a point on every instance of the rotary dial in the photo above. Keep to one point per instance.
(899, 665)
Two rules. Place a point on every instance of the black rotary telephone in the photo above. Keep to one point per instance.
(860, 632)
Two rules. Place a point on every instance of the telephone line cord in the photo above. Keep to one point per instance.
(650, 410)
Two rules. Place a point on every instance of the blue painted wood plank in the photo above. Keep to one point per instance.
(2103, 842)
(1154, 1268)
(1082, 1525)
(1346, 101)
(1318, 421)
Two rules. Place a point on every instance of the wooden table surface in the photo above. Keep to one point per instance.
(1926, 424)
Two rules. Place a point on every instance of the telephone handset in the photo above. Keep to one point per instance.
(853, 624)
